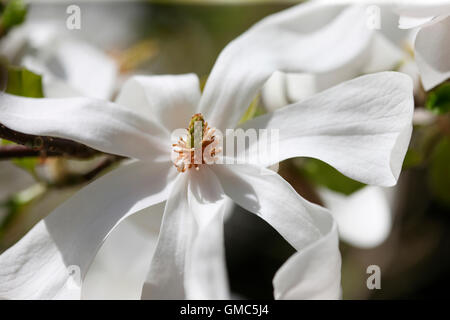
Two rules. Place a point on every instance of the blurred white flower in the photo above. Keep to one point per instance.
(361, 127)
(70, 67)
(375, 51)
(432, 42)
(364, 218)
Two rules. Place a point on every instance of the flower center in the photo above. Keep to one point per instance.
(200, 147)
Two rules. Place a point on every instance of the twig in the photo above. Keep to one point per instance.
(17, 151)
(47, 146)
(75, 179)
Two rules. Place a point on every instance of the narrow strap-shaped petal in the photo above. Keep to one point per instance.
(166, 275)
(189, 259)
(304, 225)
(206, 276)
(311, 273)
(170, 100)
(280, 42)
(432, 52)
(39, 266)
(269, 196)
(99, 124)
(361, 127)
(121, 265)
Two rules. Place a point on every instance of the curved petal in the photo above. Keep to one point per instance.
(170, 100)
(65, 62)
(421, 14)
(269, 196)
(280, 43)
(364, 218)
(309, 228)
(361, 127)
(121, 265)
(69, 63)
(312, 273)
(102, 125)
(189, 259)
(65, 243)
(432, 49)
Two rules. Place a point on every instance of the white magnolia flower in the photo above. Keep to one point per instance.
(361, 127)
(432, 42)
(70, 67)
(378, 50)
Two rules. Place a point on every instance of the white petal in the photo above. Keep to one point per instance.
(282, 42)
(421, 14)
(206, 276)
(266, 194)
(121, 265)
(363, 218)
(384, 55)
(309, 228)
(83, 67)
(432, 51)
(406, 22)
(102, 125)
(189, 259)
(361, 127)
(166, 275)
(312, 273)
(273, 93)
(169, 100)
(67, 240)
(69, 67)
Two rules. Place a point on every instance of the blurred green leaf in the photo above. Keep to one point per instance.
(14, 13)
(325, 175)
(439, 174)
(413, 158)
(22, 82)
(252, 111)
(438, 99)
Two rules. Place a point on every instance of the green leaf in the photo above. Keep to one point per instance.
(438, 99)
(14, 13)
(22, 82)
(439, 172)
(325, 175)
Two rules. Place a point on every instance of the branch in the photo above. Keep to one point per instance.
(17, 151)
(47, 146)
(75, 179)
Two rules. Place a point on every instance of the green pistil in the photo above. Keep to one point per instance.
(195, 118)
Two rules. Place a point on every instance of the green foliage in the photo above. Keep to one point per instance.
(325, 175)
(439, 177)
(22, 82)
(413, 158)
(438, 99)
(13, 13)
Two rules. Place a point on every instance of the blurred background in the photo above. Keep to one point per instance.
(404, 230)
